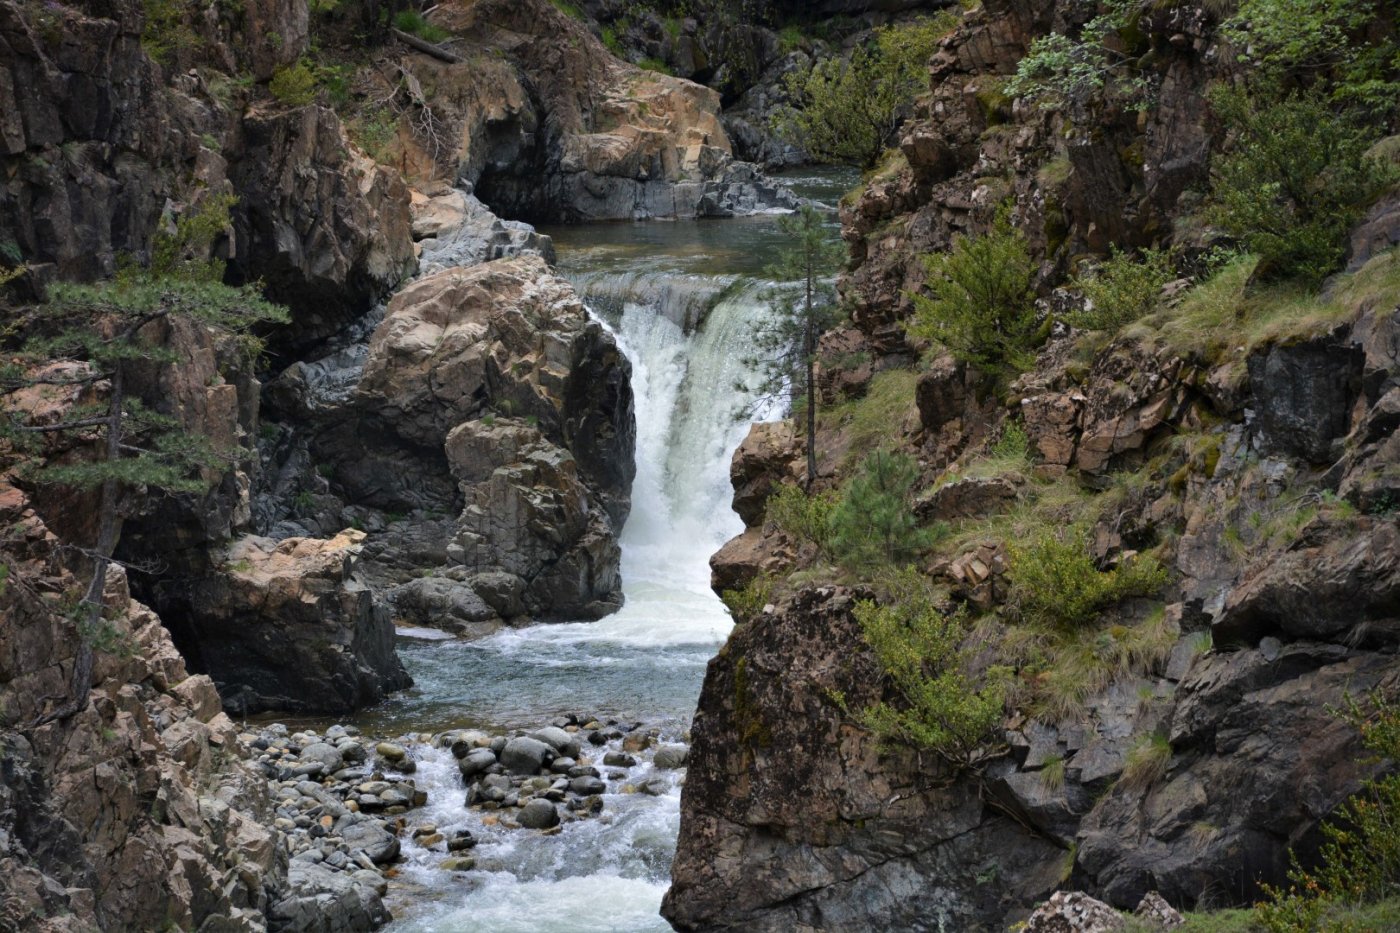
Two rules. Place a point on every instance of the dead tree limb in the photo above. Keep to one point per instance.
(426, 47)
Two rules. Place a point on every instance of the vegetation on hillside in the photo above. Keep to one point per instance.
(847, 110)
(92, 340)
(981, 300)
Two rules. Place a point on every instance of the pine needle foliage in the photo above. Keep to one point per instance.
(941, 706)
(109, 331)
(874, 524)
(981, 300)
(847, 110)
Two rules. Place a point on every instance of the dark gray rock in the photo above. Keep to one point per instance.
(538, 814)
(523, 755)
(1303, 394)
(476, 762)
(562, 742)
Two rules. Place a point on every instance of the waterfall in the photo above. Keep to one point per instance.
(686, 338)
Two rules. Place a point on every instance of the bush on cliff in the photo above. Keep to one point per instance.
(942, 706)
(1054, 581)
(847, 110)
(802, 516)
(1062, 70)
(874, 526)
(93, 342)
(1360, 861)
(1293, 181)
(1282, 40)
(981, 304)
(1121, 289)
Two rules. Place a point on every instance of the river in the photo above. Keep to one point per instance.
(680, 298)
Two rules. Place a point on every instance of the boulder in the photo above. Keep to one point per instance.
(561, 741)
(475, 762)
(539, 814)
(1074, 912)
(285, 625)
(523, 755)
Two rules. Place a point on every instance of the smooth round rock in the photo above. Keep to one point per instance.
(523, 755)
(538, 814)
(475, 762)
(390, 751)
(670, 757)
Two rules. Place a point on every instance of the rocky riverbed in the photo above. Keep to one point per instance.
(351, 809)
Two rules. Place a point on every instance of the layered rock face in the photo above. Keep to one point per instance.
(286, 626)
(138, 812)
(99, 141)
(554, 128)
(1274, 519)
(793, 819)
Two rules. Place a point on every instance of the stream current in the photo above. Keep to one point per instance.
(680, 298)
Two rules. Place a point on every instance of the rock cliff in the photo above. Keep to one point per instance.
(1251, 462)
(142, 811)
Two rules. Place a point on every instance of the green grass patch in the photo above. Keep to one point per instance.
(415, 23)
(868, 423)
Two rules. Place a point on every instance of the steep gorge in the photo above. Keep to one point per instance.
(1252, 461)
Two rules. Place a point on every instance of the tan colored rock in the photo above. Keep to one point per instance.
(767, 458)
(285, 626)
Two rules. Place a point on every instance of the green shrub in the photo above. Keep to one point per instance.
(1061, 70)
(1280, 39)
(294, 85)
(847, 110)
(1122, 289)
(806, 518)
(373, 131)
(1360, 861)
(411, 21)
(1054, 582)
(981, 304)
(874, 525)
(654, 64)
(1294, 180)
(746, 603)
(611, 41)
(941, 706)
(165, 31)
(790, 39)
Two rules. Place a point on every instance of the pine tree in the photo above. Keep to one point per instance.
(787, 342)
(105, 332)
(982, 301)
(874, 524)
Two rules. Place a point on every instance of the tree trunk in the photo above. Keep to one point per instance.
(90, 615)
(809, 346)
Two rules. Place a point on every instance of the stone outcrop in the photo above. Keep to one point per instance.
(99, 141)
(555, 128)
(141, 810)
(322, 226)
(487, 394)
(285, 625)
(793, 818)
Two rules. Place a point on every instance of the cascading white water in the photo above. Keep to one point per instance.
(644, 662)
